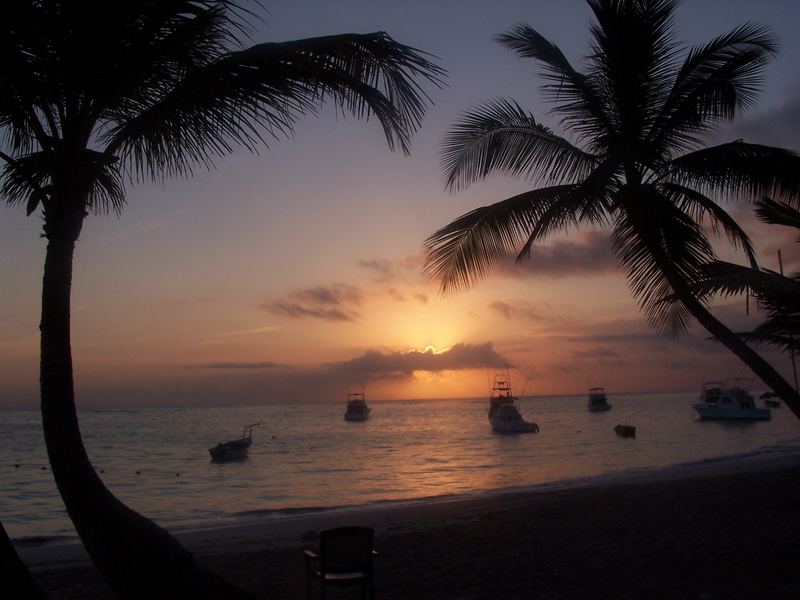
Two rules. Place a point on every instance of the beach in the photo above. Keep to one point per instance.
(723, 529)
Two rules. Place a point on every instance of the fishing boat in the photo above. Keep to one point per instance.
(729, 401)
(235, 449)
(357, 409)
(597, 400)
(503, 412)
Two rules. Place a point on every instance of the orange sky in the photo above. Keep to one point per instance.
(297, 273)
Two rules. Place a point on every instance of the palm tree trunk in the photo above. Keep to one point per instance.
(15, 579)
(726, 337)
(138, 558)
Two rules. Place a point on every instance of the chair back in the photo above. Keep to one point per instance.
(346, 550)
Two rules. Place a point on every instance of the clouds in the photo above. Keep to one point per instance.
(589, 254)
(335, 303)
(779, 127)
(376, 364)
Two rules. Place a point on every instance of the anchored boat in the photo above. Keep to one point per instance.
(597, 400)
(235, 449)
(357, 409)
(503, 412)
(729, 401)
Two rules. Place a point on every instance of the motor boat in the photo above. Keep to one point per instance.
(357, 409)
(729, 401)
(770, 399)
(235, 449)
(597, 400)
(503, 412)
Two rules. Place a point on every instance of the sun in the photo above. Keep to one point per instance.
(432, 349)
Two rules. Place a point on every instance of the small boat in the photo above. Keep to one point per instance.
(597, 400)
(235, 449)
(729, 401)
(357, 409)
(503, 412)
(626, 431)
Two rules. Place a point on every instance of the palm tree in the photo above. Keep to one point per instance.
(92, 97)
(777, 294)
(635, 165)
(15, 579)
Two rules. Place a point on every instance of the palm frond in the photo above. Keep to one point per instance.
(699, 206)
(499, 136)
(589, 202)
(716, 80)
(265, 88)
(739, 170)
(730, 279)
(28, 180)
(777, 213)
(633, 53)
(464, 251)
(650, 231)
(577, 98)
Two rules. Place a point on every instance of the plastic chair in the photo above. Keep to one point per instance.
(344, 559)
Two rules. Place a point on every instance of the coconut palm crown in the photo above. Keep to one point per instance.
(634, 162)
(95, 96)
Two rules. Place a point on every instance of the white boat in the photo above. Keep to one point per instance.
(729, 401)
(235, 449)
(597, 400)
(357, 409)
(503, 412)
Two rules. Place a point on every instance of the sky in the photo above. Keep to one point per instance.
(296, 274)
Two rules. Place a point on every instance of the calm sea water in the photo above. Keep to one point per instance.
(307, 457)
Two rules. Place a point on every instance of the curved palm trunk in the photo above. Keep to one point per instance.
(138, 558)
(15, 579)
(728, 338)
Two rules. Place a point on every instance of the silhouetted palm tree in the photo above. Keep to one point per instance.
(15, 579)
(93, 95)
(777, 294)
(638, 115)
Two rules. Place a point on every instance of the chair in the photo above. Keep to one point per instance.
(344, 559)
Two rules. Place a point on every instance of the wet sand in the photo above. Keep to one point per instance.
(721, 530)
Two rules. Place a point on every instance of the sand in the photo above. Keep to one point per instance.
(727, 529)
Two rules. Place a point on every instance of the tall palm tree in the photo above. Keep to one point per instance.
(777, 294)
(635, 164)
(94, 96)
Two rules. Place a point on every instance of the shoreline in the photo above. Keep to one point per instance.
(291, 531)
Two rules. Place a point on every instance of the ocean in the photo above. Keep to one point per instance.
(306, 457)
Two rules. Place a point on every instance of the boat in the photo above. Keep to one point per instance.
(597, 400)
(626, 431)
(729, 401)
(770, 399)
(503, 412)
(357, 409)
(235, 449)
